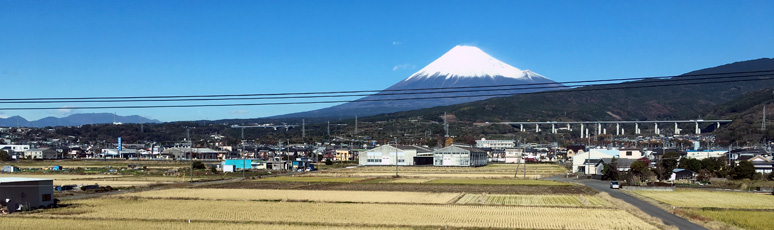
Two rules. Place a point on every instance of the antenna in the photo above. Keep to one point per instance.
(763, 122)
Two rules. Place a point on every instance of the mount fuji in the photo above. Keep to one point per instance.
(463, 74)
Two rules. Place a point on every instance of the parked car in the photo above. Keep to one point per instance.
(614, 185)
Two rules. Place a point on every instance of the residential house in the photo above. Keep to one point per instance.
(41, 153)
(762, 164)
(580, 163)
(513, 155)
(630, 153)
(682, 174)
(573, 150)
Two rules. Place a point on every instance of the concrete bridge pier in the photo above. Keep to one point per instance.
(698, 130)
(656, 128)
(582, 130)
(677, 129)
(617, 129)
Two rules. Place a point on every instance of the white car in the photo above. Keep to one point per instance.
(614, 185)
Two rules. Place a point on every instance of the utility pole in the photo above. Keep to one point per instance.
(355, 124)
(329, 128)
(303, 128)
(445, 124)
(190, 147)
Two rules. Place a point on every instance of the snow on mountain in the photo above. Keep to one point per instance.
(470, 61)
(462, 66)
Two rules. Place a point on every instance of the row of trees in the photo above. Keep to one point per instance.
(707, 168)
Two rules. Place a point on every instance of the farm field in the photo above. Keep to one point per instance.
(298, 195)
(60, 176)
(78, 224)
(489, 171)
(744, 210)
(409, 187)
(314, 179)
(360, 215)
(534, 200)
(751, 220)
(689, 198)
(497, 182)
(99, 163)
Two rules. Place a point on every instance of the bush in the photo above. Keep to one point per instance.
(198, 165)
(4, 156)
(328, 161)
(745, 170)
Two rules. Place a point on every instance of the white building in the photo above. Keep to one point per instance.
(702, 154)
(513, 156)
(579, 161)
(630, 153)
(495, 144)
(389, 155)
(459, 156)
(16, 151)
(41, 153)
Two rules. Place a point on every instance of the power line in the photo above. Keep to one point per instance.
(761, 78)
(553, 85)
(672, 77)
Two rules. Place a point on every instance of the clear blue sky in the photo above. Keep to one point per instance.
(134, 48)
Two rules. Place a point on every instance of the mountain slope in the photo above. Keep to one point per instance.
(74, 120)
(606, 102)
(462, 66)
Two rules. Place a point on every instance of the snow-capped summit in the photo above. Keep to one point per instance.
(459, 72)
(470, 61)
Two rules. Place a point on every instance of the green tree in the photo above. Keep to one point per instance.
(745, 169)
(711, 164)
(666, 165)
(638, 168)
(4, 156)
(198, 165)
(690, 164)
(610, 171)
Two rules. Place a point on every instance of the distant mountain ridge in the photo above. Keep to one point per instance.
(75, 120)
(609, 102)
(462, 66)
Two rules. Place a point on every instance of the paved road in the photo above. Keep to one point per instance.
(604, 186)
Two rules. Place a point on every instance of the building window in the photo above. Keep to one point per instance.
(46, 197)
(629, 153)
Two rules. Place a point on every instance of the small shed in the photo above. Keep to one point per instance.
(9, 169)
(18, 193)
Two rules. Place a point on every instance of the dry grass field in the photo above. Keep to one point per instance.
(314, 179)
(690, 198)
(739, 209)
(60, 176)
(751, 220)
(347, 214)
(496, 182)
(298, 195)
(490, 171)
(535, 200)
(79, 224)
